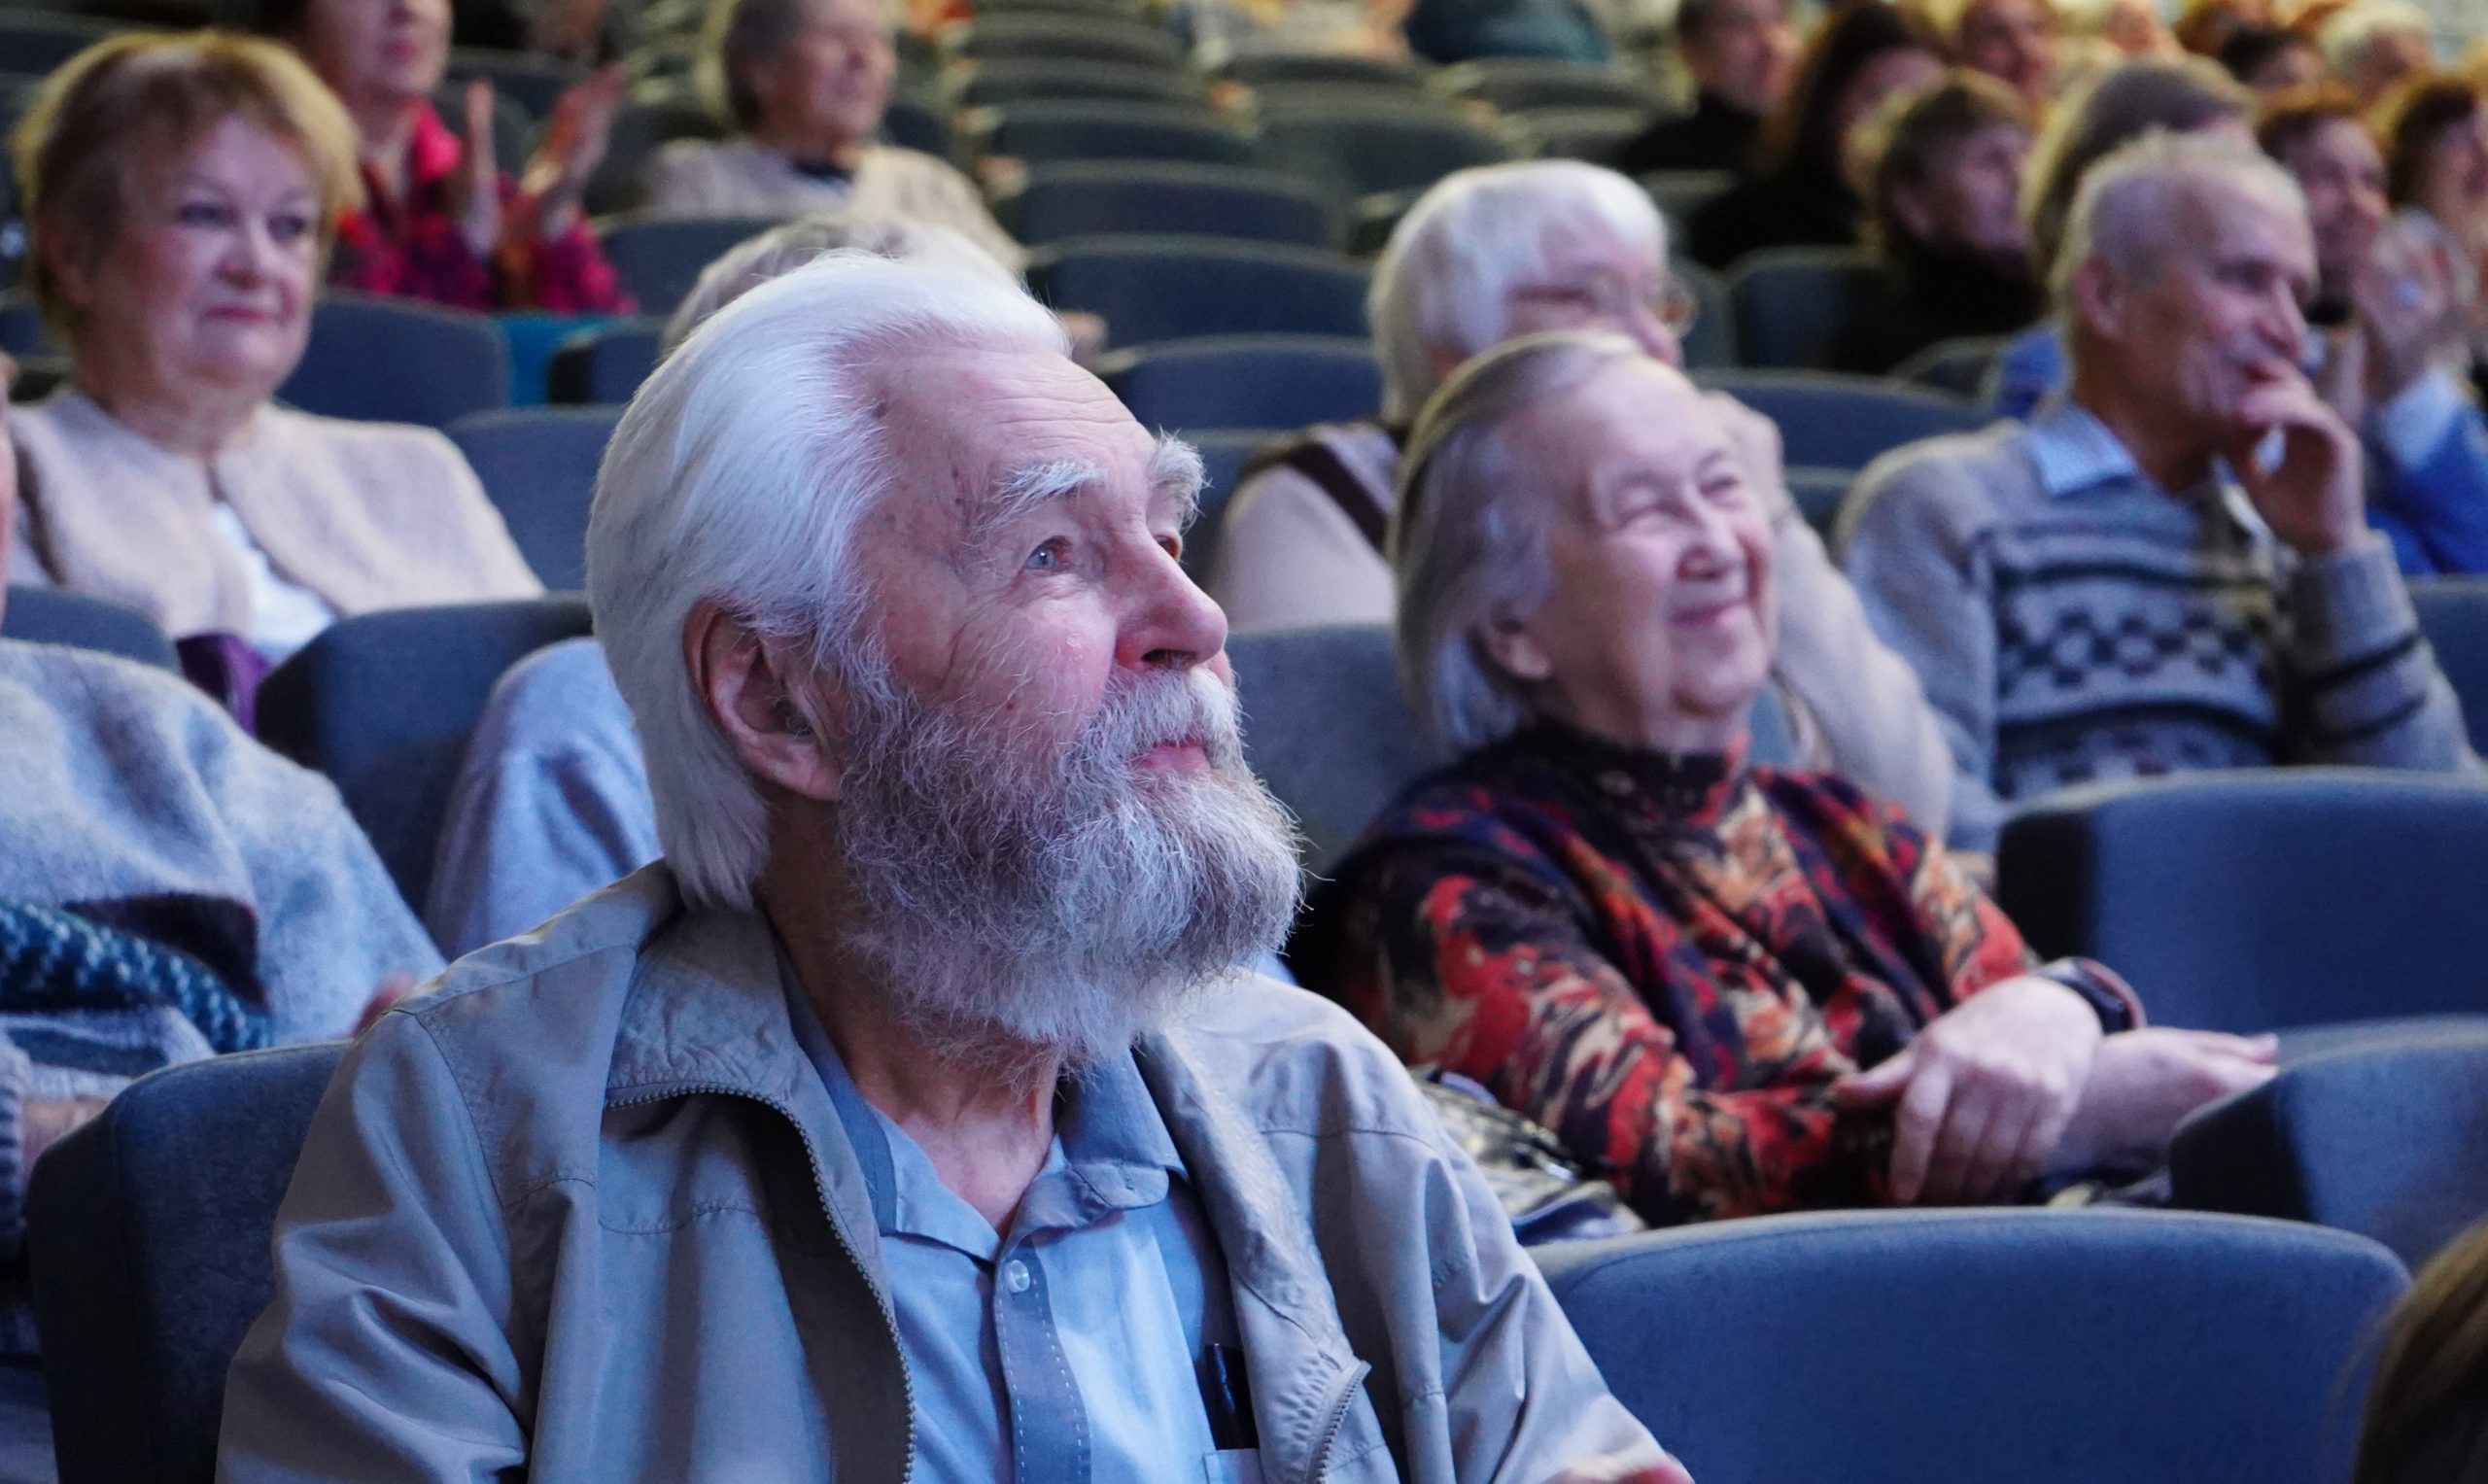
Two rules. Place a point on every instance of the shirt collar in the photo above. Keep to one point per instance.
(2073, 451)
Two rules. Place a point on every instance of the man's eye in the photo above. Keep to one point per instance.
(1048, 558)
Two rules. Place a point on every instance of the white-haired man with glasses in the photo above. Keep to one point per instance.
(1503, 250)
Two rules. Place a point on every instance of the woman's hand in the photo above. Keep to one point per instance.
(2142, 1085)
(574, 143)
(476, 187)
(1984, 1094)
(2404, 302)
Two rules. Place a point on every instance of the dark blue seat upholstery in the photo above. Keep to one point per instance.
(1592, 134)
(605, 365)
(2453, 613)
(1711, 343)
(658, 258)
(918, 123)
(1153, 289)
(399, 362)
(1284, 67)
(1090, 197)
(1357, 148)
(1046, 131)
(1096, 38)
(1830, 421)
(1790, 301)
(35, 41)
(1959, 367)
(1518, 84)
(1679, 193)
(148, 1235)
(42, 615)
(1247, 381)
(534, 83)
(538, 465)
(2262, 900)
(1012, 80)
(2387, 1138)
(383, 703)
(1818, 493)
(2033, 1346)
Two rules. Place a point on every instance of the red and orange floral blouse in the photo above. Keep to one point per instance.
(413, 249)
(1666, 962)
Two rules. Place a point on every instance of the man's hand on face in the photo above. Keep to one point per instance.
(2308, 493)
(1983, 1097)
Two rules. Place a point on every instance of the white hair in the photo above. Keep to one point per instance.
(2130, 211)
(1438, 288)
(789, 245)
(739, 474)
(2346, 37)
(1469, 530)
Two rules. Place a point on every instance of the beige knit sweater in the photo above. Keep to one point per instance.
(366, 515)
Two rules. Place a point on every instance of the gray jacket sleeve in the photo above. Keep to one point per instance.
(1875, 721)
(383, 1356)
(2366, 688)
(1908, 543)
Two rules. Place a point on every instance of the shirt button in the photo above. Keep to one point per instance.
(1015, 1276)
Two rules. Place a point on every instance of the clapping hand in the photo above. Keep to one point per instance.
(475, 189)
(1984, 1096)
(576, 139)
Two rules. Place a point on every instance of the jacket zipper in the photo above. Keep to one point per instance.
(1329, 1435)
(821, 1188)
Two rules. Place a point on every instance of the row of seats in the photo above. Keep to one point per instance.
(1872, 1348)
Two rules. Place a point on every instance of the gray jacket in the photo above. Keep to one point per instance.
(586, 1213)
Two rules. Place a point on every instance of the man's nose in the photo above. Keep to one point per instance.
(1171, 624)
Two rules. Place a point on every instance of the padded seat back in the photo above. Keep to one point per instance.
(1830, 421)
(2387, 1138)
(147, 1231)
(1326, 727)
(396, 361)
(44, 616)
(538, 467)
(1518, 84)
(1096, 37)
(658, 258)
(2262, 900)
(1790, 301)
(605, 365)
(1010, 80)
(1247, 381)
(1259, 69)
(1959, 367)
(1153, 289)
(383, 703)
(1093, 198)
(1055, 130)
(1355, 150)
(2453, 614)
(1224, 451)
(2030, 1346)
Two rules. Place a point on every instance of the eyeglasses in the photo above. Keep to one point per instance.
(1606, 296)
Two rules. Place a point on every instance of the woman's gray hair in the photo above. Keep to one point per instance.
(789, 245)
(739, 474)
(1469, 530)
(1439, 288)
(2128, 215)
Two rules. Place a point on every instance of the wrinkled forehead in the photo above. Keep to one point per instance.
(979, 436)
(1626, 418)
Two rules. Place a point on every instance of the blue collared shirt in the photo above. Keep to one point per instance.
(1064, 1350)
(2074, 452)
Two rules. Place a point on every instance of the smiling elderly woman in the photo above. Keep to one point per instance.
(1734, 989)
(183, 190)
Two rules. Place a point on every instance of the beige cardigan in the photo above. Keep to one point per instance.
(1288, 557)
(366, 515)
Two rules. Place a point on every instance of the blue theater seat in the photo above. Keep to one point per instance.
(1246, 381)
(1093, 198)
(147, 1239)
(1988, 1346)
(1152, 288)
(1358, 147)
(1049, 132)
(538, 467)
(658, 258)
(42, 615)
(1790, 301)
(383, 703)
(397, 361)
(1830, 421)
(605, 365)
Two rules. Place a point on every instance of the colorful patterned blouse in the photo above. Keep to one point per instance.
(1668, 961)
(413, 249)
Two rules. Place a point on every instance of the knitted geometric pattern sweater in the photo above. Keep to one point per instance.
(2071, 622)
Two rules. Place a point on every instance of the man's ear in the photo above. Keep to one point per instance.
(2098, 299)
(751, 687)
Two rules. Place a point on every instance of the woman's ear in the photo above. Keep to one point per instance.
(1515, 651)
(752, 689)
(64, 253)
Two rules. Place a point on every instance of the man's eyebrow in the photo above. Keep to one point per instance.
(1030, 487)
(1176, 475)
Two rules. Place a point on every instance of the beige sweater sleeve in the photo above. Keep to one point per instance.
(1290, 558)
(1863, 700)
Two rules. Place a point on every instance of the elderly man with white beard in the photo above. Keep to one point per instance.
(909, 1119)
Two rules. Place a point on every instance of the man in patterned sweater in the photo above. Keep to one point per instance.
(2168, 567)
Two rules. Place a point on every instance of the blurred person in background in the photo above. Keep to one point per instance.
(2433, 132)
(2132, 28)
(552, 801)
(2171, 567)
(2269, 59)
(2373, 43)
(2426, 1406)
(1796, 191)
(2192, 96)
(439, 219)
(2204, 26)
(2389, 335)
(1944, 169)
(805, 84)
(1741, 56)
(183, 190)
(2012, 41)
(1732, 990)
(1508, 250)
